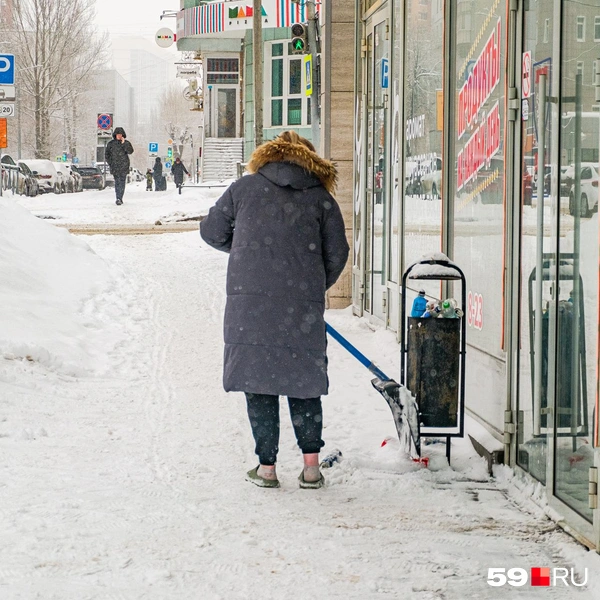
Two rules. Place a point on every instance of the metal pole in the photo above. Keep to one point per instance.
(257, 50)
(314, 101)
(539, 269)
(18, 125)
(575, 341)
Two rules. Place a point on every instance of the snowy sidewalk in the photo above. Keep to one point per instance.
(130, 485)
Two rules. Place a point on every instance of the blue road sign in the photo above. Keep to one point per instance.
(104, 121)
(153, 147)
(168, 164)
(7, 69)
(385, 73)
(75, 160)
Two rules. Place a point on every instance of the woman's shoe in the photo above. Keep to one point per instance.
(253, 477)
(311, 485)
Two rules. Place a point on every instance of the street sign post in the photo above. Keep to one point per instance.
(7, 69)
(153, 149)
(7, 110)
(105, 123)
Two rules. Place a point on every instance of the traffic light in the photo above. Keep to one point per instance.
(169, 152)
(299, 38)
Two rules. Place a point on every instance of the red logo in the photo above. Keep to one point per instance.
(540, 576)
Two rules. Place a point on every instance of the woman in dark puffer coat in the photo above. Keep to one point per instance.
(287, 243)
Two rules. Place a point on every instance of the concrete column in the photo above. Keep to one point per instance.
(337, 117)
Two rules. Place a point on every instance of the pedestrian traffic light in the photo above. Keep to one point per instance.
(169, 152)
(299, 39)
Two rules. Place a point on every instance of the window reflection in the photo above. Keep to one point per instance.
(422, 132)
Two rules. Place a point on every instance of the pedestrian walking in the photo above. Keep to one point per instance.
(149, 180)
(177, 170)
(157, 174)
(117, 157)
(287, 243)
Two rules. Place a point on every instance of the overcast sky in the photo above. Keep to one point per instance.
(134, 17)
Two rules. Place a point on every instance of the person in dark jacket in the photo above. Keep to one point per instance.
(117, 157)
(157, 174)
(178, 169)
(287, 245)
(149, 180)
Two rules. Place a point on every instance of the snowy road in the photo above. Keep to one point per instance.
(129, 484)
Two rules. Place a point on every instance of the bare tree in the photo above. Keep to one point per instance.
(177, 119)
(57, 51)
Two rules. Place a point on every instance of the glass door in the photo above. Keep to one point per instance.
(577, 292)
(377, 196)
(539, 209)
(224, 113)
(559, 312)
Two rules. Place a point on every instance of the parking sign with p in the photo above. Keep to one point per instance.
(7, 69)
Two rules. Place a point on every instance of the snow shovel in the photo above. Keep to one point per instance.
(401, 402)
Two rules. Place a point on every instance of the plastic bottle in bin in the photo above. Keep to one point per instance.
(450, 309)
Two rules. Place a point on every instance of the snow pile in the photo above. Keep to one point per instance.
(58, 306)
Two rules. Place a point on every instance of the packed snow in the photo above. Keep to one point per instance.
(122, 459)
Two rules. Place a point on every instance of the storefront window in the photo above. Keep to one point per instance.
(289, 106)
(577, 298)
(422, 132)
(476, 175)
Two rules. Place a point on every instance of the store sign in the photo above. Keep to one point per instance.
(526, 76)
(483, 127)
(220, 17)
(475, 310)
(189, 70)
(480, 83)
(415, 128)
(165, 38)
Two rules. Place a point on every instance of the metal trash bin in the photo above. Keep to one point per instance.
(433, 350)
(433, 365)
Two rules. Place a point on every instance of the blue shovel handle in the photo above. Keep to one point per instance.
(336, 335)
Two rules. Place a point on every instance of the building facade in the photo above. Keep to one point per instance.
(477, 135)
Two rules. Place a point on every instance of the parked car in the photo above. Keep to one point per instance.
(64, 177)
(588, 191)
(28, 183)
(92, 177)
(9, 171)
(45, 173)
(431, 180)
(134, 175)
(109, 180)
(77, 182)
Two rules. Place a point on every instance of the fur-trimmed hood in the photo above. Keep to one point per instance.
(280, 151)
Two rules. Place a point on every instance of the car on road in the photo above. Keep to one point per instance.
(64, 177)
(588, 191)
(92, 177)
(28, 183)
(431, 180)
(10, 172)
(45, 173)
(109, 180)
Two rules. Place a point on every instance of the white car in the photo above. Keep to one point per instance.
(431, 180)
(45, 174)
(67, 184)
(588, 191)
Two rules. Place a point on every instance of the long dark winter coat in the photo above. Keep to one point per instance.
(287, 243)
(157, 170)
(178, 169)
(117, 153)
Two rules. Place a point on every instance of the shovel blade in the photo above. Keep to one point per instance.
(404, 410)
